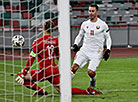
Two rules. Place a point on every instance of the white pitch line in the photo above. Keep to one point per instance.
(121, 90)
(123, 71)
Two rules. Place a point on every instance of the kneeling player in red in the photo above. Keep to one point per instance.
(46, 50)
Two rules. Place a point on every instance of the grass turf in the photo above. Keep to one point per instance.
(117, 79)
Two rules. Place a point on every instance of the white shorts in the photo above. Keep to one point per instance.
(83, 57)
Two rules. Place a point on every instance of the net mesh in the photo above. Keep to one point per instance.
(23, 17)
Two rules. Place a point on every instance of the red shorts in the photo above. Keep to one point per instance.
(50, 74)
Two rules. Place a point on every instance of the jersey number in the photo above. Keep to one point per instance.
(50, 51)
(91, 32)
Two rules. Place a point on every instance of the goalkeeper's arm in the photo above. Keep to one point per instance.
(28, 65)
(29, 62)
(21, 75)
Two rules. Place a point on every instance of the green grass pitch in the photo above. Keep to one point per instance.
(117, 79)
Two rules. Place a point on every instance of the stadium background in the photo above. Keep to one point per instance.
(25, 17)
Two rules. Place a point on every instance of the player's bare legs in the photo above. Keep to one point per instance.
(74, 68)
(92, 75)
(91, 87)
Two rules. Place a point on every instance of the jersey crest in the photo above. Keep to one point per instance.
(97, 27)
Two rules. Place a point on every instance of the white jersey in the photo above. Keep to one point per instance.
(94, 34)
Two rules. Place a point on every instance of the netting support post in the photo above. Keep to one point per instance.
(64, 47)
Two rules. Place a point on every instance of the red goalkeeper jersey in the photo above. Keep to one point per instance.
(46, 50)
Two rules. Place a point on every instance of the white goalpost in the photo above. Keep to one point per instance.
(64, 46)
(25, 18)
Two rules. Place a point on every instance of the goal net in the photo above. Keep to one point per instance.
(26, 17)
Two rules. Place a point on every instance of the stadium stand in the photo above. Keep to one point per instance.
(35, 23)
(10, 9)
(112, 11)
(118, 14)
(2, 10)
(14, 23)
(16, 16)
(26, 15)
(21, 11)
(24, 23)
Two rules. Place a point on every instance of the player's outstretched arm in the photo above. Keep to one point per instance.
(21, 75)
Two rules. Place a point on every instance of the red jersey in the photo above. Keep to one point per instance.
(46, 50)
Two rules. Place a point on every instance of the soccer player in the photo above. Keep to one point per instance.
(95, 32)
(46, 50)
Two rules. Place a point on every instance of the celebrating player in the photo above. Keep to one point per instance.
(95, 32)
(46, 50)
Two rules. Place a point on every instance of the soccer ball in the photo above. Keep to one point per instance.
(18, 41)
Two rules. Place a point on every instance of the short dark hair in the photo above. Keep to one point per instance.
(48, 25)
(94, 5)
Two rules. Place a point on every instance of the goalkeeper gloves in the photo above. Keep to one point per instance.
(20, 78)
(75, 48)
(106, 55)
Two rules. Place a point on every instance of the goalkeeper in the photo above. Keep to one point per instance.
(46, 50)
(95, 32)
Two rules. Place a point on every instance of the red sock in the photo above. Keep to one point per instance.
(79, 91)
(33, 86)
